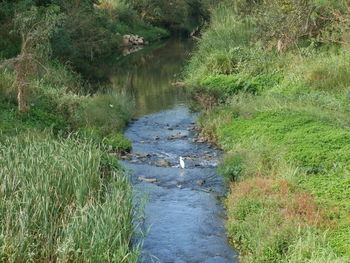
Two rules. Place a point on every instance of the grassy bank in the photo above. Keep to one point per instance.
(277, 102)
(64, 195)
(62, 201)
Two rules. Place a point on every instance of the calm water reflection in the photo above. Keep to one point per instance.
(147, 76)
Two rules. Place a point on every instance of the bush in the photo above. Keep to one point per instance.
(177, 16)
(223, 87)
(116, 142)
(7, 92)
(231, 167)
(106, 112)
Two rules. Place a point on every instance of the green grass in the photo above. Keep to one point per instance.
(270, 225)
(64, 197)
(282, 119)
(107, 112)
(312, 153)
(55, 205)
(313, 144)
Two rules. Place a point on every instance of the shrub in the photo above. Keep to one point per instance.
(106, 112)
(231, 167)
(7, 92)
(223, 87)
(117, 142)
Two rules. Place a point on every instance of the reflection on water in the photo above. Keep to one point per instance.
(147, 76)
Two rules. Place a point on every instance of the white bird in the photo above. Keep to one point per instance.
(182, 163)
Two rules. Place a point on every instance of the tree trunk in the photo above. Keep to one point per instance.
(20, 99)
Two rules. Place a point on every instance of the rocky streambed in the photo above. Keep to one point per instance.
(184, 217)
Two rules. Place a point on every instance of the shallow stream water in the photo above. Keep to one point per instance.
(183, 213)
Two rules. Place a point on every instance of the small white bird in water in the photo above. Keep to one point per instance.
(182, 163)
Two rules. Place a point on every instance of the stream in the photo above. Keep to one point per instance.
(183, 214)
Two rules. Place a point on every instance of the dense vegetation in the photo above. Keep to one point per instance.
(64, 197)
(273, 79)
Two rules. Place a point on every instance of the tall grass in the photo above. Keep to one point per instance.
(56, 205)
(219, 51)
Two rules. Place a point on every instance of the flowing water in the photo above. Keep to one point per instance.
(183, 214)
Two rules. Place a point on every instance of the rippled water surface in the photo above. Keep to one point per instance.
(184, 218)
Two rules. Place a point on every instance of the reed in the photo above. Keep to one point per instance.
(57, 206)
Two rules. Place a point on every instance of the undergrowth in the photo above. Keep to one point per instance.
(64, 195)
(282, 118)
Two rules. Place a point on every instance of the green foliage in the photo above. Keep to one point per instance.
(36, 27)
(231, 167)
(54, 106)
(221, 49)
(322, 72)
(224, 86)
(58, 207)
(113, 142)
(7, 93)
(86, 33)
(89, 133)
(177, 16)
(117, 142)
(106, 112)
(294, 126)
(316, 145)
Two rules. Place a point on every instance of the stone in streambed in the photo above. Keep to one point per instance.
(126, 157)
(142, 155)
(177, 136)
(200, 182)
(163, 162)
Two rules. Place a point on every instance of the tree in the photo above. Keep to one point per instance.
(35, 27)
